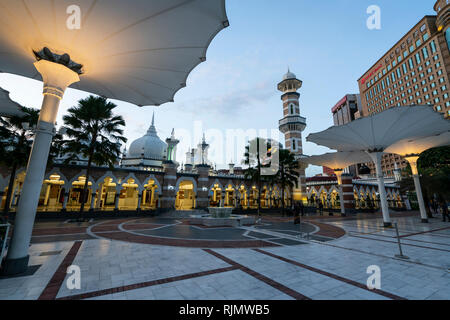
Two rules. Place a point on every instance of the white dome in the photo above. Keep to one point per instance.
(289, 76)
(149, 146)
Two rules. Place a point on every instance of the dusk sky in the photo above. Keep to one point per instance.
(325, 43)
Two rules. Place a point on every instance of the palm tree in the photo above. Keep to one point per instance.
(17, 139)
(94, 133)
(253, 161)
(287, 176)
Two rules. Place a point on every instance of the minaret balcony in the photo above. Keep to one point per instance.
(292, 123)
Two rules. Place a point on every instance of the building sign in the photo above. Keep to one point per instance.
(371, 74)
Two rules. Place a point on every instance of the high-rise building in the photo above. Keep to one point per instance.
(292, 125)
(346, 110)
(414, 71)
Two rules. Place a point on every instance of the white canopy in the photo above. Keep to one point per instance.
(9, 107)
(338, 160)
(379, 131)
(138, 51)
(417, 146)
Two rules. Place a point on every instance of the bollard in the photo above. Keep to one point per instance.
(401, 256)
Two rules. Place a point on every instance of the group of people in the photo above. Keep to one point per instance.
(440, 206)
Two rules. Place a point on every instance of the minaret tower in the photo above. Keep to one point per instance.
(292, 125)
(172, 143)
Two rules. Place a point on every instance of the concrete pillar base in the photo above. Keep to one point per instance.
(12, 267)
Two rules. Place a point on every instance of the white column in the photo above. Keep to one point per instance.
(116, 203)
(341, 192)
(66, 199)
(376, 158)
(413, 162)
(92, 207)
(139, 200)
(56, 78)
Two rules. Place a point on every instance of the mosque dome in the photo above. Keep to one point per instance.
(289, 75)
(149, 146)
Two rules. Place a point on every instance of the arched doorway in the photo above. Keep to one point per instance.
(185, 196)
(106, 195)
(215, 196)
(129, 195)
(243, 197)
(17, 189)
(229, 196)
(75, 200)
(253, 198)
(52, 194)
(150, 196)
(335, 200)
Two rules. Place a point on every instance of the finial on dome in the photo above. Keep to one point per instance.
(173, 133)
(153, 119)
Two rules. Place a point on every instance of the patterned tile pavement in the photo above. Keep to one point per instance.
(330, 265)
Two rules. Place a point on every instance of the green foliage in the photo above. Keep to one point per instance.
(434, 170)
(17, 139)
(93, 132)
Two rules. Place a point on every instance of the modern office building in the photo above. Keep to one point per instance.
(346, 110)
(414, 71)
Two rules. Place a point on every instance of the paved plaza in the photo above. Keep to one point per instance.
(324, 258)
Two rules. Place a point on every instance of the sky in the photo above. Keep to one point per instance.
(325, 43)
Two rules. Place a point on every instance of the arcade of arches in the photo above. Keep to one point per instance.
(128, 190)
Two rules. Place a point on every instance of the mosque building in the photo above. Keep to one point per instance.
(149, 178)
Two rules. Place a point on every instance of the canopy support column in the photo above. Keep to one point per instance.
(56, 78)
(376, 158)
(413, 162)
(338, 173)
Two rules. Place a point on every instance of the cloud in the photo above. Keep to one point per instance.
(231, 103)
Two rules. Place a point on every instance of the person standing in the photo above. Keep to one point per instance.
(302, 208)
(444, 208)
(321, 208)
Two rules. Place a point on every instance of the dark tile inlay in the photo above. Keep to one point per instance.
(288, 291)
(50, 253)
(331, 275)
(51, 290)
(146, 284)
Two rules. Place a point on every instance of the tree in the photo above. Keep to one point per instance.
(434, 169)
(256, 160)
(288, 174)
(17, 138)
(94, 133)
